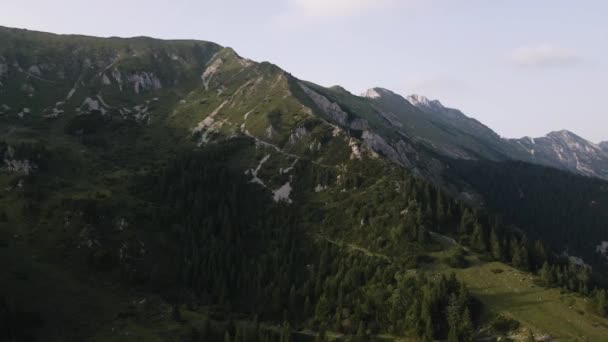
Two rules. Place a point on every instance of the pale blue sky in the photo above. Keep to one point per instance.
(522, 67)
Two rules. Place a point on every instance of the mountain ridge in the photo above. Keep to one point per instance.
(561, 149)
(212, 195)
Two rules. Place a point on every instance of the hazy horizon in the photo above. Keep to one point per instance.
(521, 69)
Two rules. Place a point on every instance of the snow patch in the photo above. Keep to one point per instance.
(282, 194)
(105, 80)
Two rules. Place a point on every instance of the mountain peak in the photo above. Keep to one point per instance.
(377, 92)
(339, 88)
(568, 136)
(423, 102)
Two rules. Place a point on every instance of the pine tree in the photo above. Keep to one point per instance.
(293, 302)
(286, 332)
(237, 335)
(322, 309)
(545, 274)
(429, 332)
(307, 308)
(602, 303)
(466, 326)
(361, 331)
(495, 247)
(441, 211)
(478, 239)
(516, 258)
(321, 336)
(525, 257)
(453, 334)
(466, 221)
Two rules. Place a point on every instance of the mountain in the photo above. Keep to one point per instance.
(568, 151)
(604, 145)
(445, 131)
(563, 150)
(172, 189)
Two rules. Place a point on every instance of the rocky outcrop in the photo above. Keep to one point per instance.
(566, 150)
(397, 153)
(143, 81)
(329, 108)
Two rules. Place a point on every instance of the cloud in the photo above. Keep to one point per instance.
(544, 55)
(332, 8)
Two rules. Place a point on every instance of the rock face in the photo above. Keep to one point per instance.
(444, 130)
(566, 150)
(331, 109)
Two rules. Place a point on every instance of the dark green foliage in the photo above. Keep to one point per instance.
(457, 259)
(566, 211)
(17, 325)
(504, 325)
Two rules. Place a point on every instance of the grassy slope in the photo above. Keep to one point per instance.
(515, 294)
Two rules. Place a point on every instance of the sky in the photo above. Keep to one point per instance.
(522, 67)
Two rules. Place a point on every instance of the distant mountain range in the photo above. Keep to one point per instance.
(452, 133)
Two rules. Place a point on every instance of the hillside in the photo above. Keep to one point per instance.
(176, 191)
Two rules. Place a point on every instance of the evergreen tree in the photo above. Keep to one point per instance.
(307, 308)
(545, 274)
(429, 332)
(453, 334)
(495, 247)
(478, 240)
(237, 335)
(361, 331)
(293, 302)
(466, 222)
(322, 309)
(602, 303)
(466, 326)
